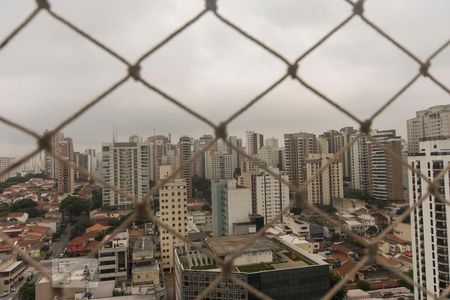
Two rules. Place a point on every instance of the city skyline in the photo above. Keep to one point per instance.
(222, 70)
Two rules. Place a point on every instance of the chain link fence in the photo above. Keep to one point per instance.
(132, 72)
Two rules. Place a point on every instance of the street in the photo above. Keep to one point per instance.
(58, 247)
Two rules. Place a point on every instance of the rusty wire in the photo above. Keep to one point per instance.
(220, 131)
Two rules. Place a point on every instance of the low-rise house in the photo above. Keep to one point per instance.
(19, 216)
(355, 226)
(347, 205)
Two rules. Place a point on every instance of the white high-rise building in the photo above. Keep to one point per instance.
(359, 163)
(173, 212)
(126, 166)
(429, 123)
(272, 196)
(231, 203)
(199, 163)
(159, 147)
(329, 184)
(5, 162)
(430, 222)
(270, 155)
(218, 166)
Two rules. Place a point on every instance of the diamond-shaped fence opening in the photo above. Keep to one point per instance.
(132, 71)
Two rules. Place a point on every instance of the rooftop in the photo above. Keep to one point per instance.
(283, 255)
(225, 245)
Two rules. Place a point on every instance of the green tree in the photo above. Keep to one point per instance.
(400, 211)
(97, 199)
(356, 194)
(334, 279)
(201, 188)
(405, 283)
(27, 291)
(73, 206)
(363, 285)
(80, 226)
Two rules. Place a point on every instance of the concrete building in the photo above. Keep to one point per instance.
(271, 265)
(330, 183)
(199, 163)
(254, 142)
(10, 272)
(63, 174)
(347, 205)
(272, 196)
(359, 163)
(126, 166)
(270, 155)
(184, 154)
(385, 170)
(231, 203)
(429, 123)
(173, 211)
(113, 259)
(297, 148)
(347, 134)
(218, 165)
(145, 268)
(430, 222)
(6, 161)
(159, 147)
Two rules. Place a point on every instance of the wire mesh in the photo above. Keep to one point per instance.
(220, 131)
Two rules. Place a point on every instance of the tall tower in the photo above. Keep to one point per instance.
(297, 148)
(429, 123)
(385, 171)
(126, 166)
(430, 222)
(359, 164)
(272, 196)
(184, 154)
(254, 142)
(329, 184)
(173, 209)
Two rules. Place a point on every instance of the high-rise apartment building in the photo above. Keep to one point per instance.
(297, 148)
(5, 162)
(63, 174)
(126, 166)
(231, 203)
(359, 163)
(330, 183)
(429, 123)
(347, 133)
(270, 154)
(159, 146)
(430, 221)
(184, 154)
(385, 170)
(173, 212)
(254, 142)
(199, 163)
(272, 196)
(218, 165)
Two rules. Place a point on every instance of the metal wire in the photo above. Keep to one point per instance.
(220, 131)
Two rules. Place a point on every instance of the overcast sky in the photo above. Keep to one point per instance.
(48, 71)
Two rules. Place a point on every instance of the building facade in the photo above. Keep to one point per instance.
(173, 211)
(297, 148)
(272, 196)
(429, 123)
(329, 184)
(126, 166)
(430, 222)
(385, 170)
